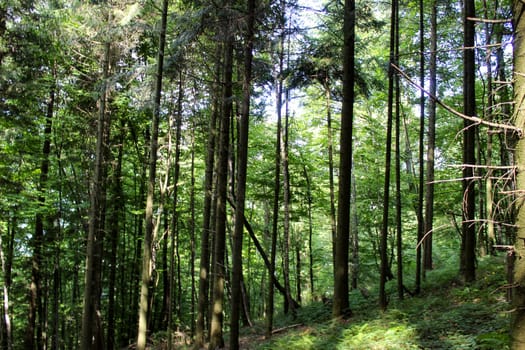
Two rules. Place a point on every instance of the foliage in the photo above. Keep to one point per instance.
(448, 315)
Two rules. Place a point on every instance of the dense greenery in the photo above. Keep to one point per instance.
(122, 130)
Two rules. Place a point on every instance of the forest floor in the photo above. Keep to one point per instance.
(446, 315)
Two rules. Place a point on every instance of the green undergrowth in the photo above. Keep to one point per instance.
(446, 315)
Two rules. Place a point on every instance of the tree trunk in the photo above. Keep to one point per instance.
(421, 186)
(149, 232)
(216, 331)
(36, 311)
(341, 305)
(117, 208)
(242, 163)
(204, 266)
(169, 298)
(333, 219)
(91, 336)
(468, 258)
(431, 141)
(277, 180)
(397, 93)
(383, 302)
(310, 230)
(518, 314)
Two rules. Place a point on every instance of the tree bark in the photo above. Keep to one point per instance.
(518, 314)
(149, 232)
(431, 141)
(341, 305)
(384, 269)
(468, 258)
(204, 265)
(242, 163)
(216, 328)
(91, 337)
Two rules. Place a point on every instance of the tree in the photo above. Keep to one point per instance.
(431, 141)
(468, 251)
(92, 335)
(518, 315)
(216, 327)
(242, 162)
(341, 304)
(149, 238)
(383, 254)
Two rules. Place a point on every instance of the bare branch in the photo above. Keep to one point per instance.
(476, 120)
(485, 20)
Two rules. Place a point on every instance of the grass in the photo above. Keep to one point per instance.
(447, 315)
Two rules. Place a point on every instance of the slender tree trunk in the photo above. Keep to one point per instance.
(341, 304)
(192, 230)
(486, 246)
(383, 302)
(333, 222)
(242, 163)
(399, 232)
(310, 230)
(175, 216)
(216, 330)
(117, 209)
(431, 145)
(468, 259)
(354, 233)
(277, 181)
(204, 266)
(149, 233)
(288, 304)
(421, 187)
(36, 313)
(90, 336)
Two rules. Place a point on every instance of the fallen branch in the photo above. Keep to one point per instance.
(278, 330)
(264, 256)
(473, 119)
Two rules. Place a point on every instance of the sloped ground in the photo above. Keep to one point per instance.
(447, 315)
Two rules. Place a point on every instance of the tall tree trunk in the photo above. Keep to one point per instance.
(333, 222)
(288, 304)
(486, 245)
(204, 265)
(149, 233)
(277, 178)
(36, 312)
(421, 187)
(242, 163)
(397, 93)
(91, 323)
(383, 302)
(468, 258)
(518, 314)
(192, 229)
(174, 222)
(117, 209)
(216, 331)
(341, 305)
(431, 140)
(310, 230)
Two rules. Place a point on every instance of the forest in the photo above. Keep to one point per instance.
(262, 174)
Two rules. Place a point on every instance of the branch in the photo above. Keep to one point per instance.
(486, 20)
(264, 256)
(475, 120)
